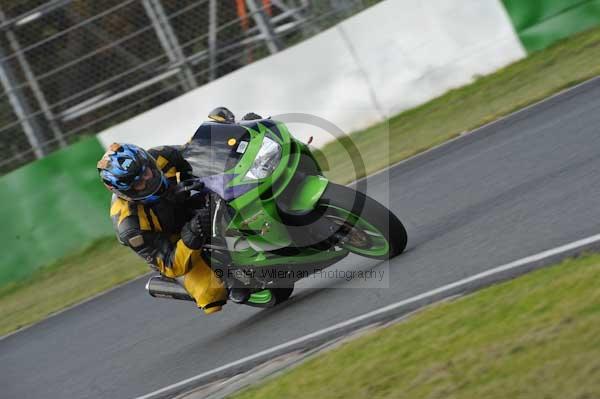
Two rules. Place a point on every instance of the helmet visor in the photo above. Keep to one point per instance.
(146, 184)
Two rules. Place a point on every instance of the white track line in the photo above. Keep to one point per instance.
(382, 311)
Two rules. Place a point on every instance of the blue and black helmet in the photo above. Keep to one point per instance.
(131, 173)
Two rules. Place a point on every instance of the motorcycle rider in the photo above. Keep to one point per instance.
(149, 219)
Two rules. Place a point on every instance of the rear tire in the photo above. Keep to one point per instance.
(365, 215)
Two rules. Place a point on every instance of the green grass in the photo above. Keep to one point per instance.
(534, 337)
(99, 267)
(565, 64)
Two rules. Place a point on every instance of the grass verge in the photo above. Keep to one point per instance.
(540, 75)
(534, 337)
(101, 266)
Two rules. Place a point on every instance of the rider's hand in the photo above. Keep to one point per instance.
(183, 190)
(201, 222)
(196, 231)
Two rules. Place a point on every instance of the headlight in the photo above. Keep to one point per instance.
(266, 161)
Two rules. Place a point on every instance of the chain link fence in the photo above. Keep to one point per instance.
(71, 68)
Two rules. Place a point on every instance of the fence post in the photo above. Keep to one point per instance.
(169, 42)
(33, 83)
(20, 106)
(265, 26)
(212, 39)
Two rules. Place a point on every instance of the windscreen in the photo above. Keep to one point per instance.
(214, 148)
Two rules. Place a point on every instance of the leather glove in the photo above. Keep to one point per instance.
(201, 223)
(183, 190)
(196, 232)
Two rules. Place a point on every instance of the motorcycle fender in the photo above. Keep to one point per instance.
(308, 193)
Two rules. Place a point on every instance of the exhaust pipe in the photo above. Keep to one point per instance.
(162, 287)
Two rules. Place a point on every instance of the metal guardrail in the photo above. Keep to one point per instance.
(71, 68)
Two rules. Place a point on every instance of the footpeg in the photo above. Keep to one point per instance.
(239, 294)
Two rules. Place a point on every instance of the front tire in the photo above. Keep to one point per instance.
(370, 228)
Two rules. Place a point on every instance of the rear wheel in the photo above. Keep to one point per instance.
(365, 226)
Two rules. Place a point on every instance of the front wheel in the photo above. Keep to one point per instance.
(365, 226)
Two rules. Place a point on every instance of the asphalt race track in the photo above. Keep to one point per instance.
(520, 186)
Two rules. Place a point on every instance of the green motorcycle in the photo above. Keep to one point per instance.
(275, 217)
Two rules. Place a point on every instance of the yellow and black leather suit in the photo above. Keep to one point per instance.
(153, 231)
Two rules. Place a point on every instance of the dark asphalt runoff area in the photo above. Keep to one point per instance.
(523, 185)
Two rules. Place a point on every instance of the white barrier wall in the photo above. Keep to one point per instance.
(391, 57)
(415, 50)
